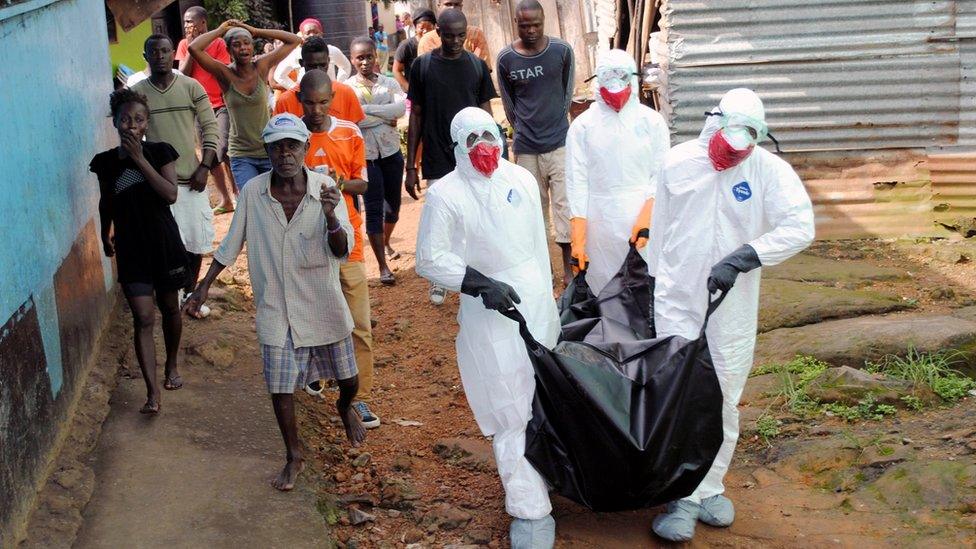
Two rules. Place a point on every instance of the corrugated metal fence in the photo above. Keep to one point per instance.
(834, 74)
(850, 76)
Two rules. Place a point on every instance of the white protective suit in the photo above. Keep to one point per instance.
(494, 225)
(700, 216)
(612, 159)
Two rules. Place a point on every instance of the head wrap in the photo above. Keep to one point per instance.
(236, 32)
(311, 21)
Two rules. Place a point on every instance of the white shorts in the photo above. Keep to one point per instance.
(195, 219)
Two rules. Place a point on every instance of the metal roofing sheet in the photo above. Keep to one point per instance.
(834, 74)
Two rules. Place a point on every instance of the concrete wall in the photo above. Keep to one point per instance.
(55, 285)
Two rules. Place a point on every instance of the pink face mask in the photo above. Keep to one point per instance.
(484, 157)
(723, 155)
(615, 100)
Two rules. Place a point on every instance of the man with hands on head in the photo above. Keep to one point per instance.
(297, 232)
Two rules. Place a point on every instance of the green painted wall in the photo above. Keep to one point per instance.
(128, 50)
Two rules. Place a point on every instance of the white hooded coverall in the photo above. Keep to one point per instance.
(612, 159)
(700, 216)
(494, 225)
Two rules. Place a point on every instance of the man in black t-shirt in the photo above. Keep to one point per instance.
(406, 52)
(442, 83)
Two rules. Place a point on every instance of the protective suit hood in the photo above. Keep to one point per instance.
(613, 60)
(741, 101)
(467, 121)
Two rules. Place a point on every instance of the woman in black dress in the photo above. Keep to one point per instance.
(137, 181)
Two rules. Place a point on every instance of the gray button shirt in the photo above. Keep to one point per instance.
(294, 274)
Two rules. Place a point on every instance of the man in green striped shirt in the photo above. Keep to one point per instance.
(177, 103)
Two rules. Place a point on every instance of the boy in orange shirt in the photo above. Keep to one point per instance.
(345, 105)
(336, 148)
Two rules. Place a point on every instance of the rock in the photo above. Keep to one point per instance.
(786, 303)
(848, 386)
(761, 388)
(766, 478)
(397, 493)
(856, 340)
(362, 460)
(478, 536)
(930, 485)
(943, 293)
(966, 313)
(216, 313)
(357, 517)
(216, 353)
(403, 463)
(358, 498)
(883, 455)
(444, 516)
(358, 477)
(340, 477)
(806, 267)
(474, 455)
(412, 535)
(232, 298)
(393, 513)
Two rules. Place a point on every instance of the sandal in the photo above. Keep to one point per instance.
(391, 253)
(388, 279)
(173, 383)
(220, 210)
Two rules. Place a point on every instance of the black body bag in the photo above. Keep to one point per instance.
(622, 420)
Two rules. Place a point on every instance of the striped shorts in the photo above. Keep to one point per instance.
(287, 369)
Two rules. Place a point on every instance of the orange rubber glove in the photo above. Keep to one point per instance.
(577, 243)
(643, 222)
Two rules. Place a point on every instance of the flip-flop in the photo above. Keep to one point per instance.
(173, 383)
(394, 255)
(388, 280)
(222, 210)
(147, 409)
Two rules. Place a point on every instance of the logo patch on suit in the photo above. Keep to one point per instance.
(513, 198)
(742, 191)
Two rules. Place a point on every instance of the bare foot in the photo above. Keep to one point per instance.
(286, 479)
(355, 431)
(151, 406)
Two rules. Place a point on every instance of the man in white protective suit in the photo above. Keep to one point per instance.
(613, 151)
(482, 233)
(724, 208)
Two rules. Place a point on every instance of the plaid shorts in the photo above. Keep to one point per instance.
(287, 369)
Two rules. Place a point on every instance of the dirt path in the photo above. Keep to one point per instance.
(198, 475)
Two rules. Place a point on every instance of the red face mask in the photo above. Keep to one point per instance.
(615, 100)
(723, 155)
(484, 158)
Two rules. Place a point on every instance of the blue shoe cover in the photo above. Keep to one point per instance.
(677, 522)
(533, 534)
(717, 511)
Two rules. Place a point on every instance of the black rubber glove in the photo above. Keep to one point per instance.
(495, 295)
(725, 272)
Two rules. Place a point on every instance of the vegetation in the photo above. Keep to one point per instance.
(767, 427)
(935, 370)
(259, 13)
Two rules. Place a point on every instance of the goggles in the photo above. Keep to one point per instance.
(747, 127)
(474, 138)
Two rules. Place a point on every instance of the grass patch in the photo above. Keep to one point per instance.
(866, 408)
(767, 427)
(936, 370)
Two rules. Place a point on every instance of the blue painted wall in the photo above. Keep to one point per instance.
(55, 284)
